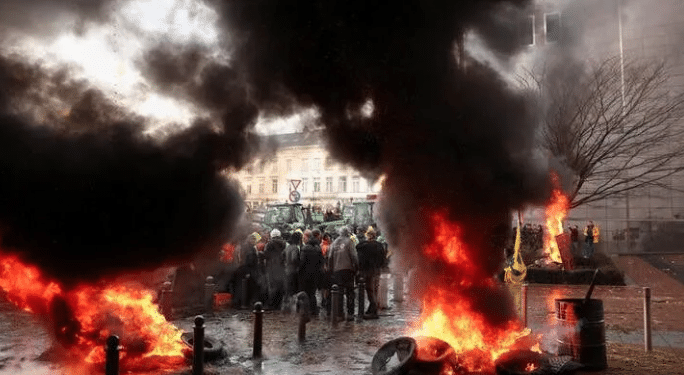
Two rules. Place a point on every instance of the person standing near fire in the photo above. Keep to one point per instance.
(343, 262)
(591, 237)
(275, 269)
(574, 240)
(371, 255)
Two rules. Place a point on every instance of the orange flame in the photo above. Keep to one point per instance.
(555, 213)
(148, 341)
(448, 312)
(530, 367)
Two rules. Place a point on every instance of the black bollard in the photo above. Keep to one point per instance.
(112, 360)
(258, 329)
(362, 302)
(335, 303)
(304, 315)
(398, 288)
(245, 292)
(198, 346)
(209, 291)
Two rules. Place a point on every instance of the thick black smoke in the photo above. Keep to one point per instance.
(86, 195)
(448, 134)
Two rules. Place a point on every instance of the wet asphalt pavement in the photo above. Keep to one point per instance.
(346, 349)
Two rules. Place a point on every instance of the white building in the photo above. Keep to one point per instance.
(301, 163)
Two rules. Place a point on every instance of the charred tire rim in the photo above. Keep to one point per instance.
(436, 353)
(212, 347)
(405, 350)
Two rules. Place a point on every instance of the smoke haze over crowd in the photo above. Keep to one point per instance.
(447, 133)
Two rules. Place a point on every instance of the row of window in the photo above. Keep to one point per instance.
(260, 168)
(552, 29)
(304, 186)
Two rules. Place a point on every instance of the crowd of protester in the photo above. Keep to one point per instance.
(277, 266)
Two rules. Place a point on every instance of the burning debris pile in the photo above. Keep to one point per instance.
(86, 197)
(83, 317)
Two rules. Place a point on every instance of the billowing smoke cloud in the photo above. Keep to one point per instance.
(445, 130)
(43, 16)
(448, 139)
(85, 195)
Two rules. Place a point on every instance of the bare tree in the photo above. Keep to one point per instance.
(617, 127)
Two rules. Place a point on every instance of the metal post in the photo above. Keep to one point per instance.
(166, 300)
(335, 303)
(384, 288)
(523, 303)
(398, 288)
(112, 359)
(258, 329)
(209, 290)
(198, 346)
(647, 320)
(362, 302)
(303, 313)
(245, 292)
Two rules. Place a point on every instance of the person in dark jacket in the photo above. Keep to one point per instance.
(371, 255)
(310, 268)
(291, 261)
(248, 267)
(343, 262)
(275, 269)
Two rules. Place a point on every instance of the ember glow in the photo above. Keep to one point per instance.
(82, 318)
(555, 213)
(448, 312)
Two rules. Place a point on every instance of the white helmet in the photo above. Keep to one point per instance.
(275, 233)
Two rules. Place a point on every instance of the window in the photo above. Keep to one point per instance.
(526, 31)
(261, 187)
(552, 26)
(317, 164)
(248, 188)
(250, 169)
(274, 184)
(316, 184)
(305, 165)
(288, 165)
(328, 163)
(356, 187)
(305, 182)
(328, 184)
(262, 166)
(342, 185)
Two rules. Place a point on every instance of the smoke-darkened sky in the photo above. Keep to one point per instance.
(82, 183)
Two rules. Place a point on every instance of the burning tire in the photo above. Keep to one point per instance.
(212, 347)
(395, 357)
(433, 355)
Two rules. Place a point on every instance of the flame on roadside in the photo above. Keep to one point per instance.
(87, 315)
(556, 211)
(448, 312)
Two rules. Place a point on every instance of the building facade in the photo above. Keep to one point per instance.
(631, 31)
(301, 163)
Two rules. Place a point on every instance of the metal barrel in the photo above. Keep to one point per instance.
(582, 332)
